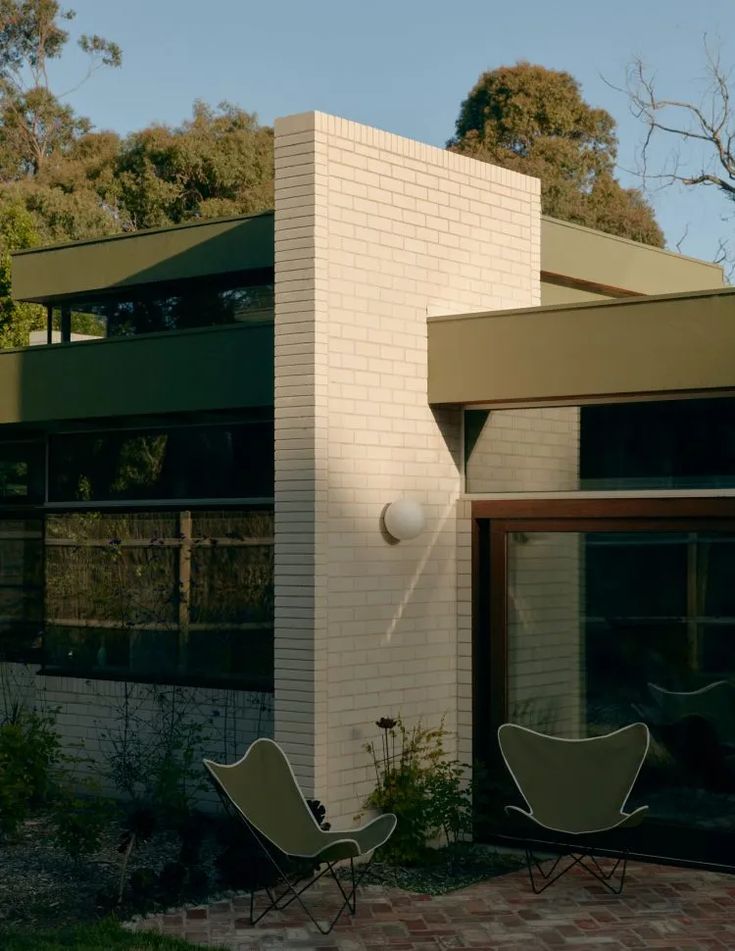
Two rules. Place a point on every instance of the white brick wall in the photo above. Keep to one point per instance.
(89, 715)
(526, 450)
(374, 233)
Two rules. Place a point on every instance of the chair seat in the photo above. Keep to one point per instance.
(351, 843)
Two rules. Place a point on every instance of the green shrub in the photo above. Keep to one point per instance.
(79, 817)
(30, 751)
(35, 771)
(425, 789)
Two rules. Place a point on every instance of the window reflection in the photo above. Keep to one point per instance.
(605, 628)
(232, 460)
(672, 444)
(149, 309)
(21, 471)
(183, 596)
(21, 587)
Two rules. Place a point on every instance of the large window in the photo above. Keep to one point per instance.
(21, 587)
(595, 622)
(212, 461)
(141, 552)
(657, 444)
(198, 302)
(184, 596)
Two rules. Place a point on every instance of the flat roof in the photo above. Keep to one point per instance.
(666, 343)
(194, 249)
(586, 260)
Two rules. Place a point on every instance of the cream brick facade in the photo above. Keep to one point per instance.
(373, 234)
(526, 450)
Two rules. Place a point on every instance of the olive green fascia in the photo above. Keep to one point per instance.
(560, 294)
(201, 249)
(667, 344)
(603, 264)
(211, 368)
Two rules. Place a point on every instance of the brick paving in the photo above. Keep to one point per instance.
(661, 908)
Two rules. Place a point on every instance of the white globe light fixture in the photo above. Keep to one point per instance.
(404, 519)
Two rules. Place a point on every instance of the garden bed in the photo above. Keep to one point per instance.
(43, 889)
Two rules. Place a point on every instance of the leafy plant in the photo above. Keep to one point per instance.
(79, 817)
(152, 753)
(425, 789)
(29, 750)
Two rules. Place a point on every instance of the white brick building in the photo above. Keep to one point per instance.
(430, 336)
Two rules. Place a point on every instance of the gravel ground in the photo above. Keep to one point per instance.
(41, 887)
(452, 870)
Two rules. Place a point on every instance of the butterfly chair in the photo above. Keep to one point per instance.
(575, 788)
(262, 790)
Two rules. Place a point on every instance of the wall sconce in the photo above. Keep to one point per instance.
(404, 519)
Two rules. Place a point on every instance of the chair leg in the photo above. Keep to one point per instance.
(276, 901)
(584, 859)
(548, 877)
(606, 878)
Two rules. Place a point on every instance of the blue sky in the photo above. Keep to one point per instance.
(401, 65)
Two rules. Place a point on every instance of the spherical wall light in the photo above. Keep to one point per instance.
(404, 519)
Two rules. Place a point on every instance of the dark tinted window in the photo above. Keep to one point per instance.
(232, 460)
(666, 444)
(674, 443)
(21, 471)
(182, 306)
(178, 596)
(21, 587)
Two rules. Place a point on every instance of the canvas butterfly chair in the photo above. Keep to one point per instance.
(262, 791)
(576, 789)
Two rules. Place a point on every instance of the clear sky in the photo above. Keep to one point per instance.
(401, 65)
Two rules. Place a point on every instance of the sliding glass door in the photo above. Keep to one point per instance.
(595, 623)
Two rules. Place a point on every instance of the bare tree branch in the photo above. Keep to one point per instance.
(710, 123)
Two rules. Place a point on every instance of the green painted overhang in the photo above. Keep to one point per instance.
(579, 257)
(211, 368)
(201, 249)
(673, 343)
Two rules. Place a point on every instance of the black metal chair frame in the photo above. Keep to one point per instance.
(276, 902)
(582, 857)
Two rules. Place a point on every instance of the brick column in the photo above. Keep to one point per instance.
(373, 233)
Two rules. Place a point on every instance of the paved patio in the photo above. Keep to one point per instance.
(662, 908)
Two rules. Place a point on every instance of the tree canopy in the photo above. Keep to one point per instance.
(62, 180)
(220, 162)
(534, 120)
